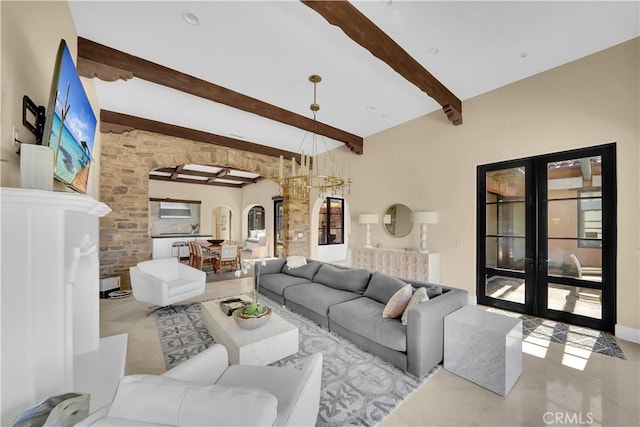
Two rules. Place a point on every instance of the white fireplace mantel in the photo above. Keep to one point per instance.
(42, 199)
(49, 296)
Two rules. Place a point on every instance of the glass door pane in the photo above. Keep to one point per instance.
(505, 235)
(574, 236)
(278, 219)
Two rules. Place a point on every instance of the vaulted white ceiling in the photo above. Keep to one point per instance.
(267, 50)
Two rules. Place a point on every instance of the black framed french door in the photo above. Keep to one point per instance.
(546, 238)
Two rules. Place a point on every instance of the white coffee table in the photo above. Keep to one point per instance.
(272, 341)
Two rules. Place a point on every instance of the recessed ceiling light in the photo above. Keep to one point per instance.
(190, 18)
(523, 55)
(386, 2)
(434, 51)
(371, 108)
(236, 134)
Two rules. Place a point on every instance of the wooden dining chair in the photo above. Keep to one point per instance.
(229, 258)
(198, 258)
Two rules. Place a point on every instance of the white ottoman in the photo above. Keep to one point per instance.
(483, 347)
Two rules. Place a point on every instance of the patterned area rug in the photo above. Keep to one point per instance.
(571, 335)
(358, 388)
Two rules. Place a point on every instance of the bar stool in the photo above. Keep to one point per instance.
(178, 246)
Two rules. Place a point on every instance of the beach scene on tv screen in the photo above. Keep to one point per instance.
(73, 128)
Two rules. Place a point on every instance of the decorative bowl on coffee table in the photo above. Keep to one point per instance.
(252, 321)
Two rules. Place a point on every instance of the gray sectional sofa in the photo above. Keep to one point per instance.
(350, 302)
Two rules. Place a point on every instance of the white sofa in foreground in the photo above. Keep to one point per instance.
(205, 391)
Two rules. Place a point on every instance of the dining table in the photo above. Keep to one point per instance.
(212, 247)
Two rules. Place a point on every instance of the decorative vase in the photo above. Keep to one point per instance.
(245, 321)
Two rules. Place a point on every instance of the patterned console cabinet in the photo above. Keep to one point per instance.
(410, 265)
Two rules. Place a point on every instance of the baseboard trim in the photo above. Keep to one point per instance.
(628, 334)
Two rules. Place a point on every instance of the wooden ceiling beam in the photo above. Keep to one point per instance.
(92, 55)
(364, 32)
(168, 199)
(210, 175)
(111, 121)
(193, 181)
(176, 172)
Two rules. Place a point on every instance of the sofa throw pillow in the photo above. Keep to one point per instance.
(434, 291)
(346, 279)
(420, 295)
(271, 266)
(306, 271)
(382, 287)
(296, 261)
(398, 303)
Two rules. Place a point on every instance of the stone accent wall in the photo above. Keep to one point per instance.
(296, 221)
(125, 162)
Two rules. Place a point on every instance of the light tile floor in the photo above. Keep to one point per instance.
(558, 386)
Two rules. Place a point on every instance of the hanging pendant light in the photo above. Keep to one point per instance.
(309, 174)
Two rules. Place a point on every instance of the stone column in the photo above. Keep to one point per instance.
(296, 225)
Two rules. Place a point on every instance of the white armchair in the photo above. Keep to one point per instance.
(166, 281)
(205, 391)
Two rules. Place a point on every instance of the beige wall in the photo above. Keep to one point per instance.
(429, 164)
(31, 33)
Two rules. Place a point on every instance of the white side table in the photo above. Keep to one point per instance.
(483, 347)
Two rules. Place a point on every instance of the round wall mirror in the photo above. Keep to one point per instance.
(397, 220)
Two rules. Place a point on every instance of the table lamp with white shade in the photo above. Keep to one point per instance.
(423, 218)
(367, 220)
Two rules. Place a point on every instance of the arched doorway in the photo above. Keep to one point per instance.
(256, 221)
(222, 221)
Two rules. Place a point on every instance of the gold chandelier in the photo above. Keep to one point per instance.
(309, 174)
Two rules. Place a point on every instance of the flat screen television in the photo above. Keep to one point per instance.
(70, 124)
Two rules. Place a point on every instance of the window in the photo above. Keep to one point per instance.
(278, 225)
(255, 220)
(331, 222)
(590, 219)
